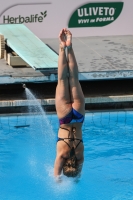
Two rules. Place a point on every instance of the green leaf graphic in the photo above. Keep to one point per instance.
(45, 15)
(95, 14)
(41, 13)
(45, 12)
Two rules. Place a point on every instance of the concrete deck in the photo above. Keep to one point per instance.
(51, 102)
(103, 94)
(91, 103)
(98, 58)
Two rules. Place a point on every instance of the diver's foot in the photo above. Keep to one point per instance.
(68, 35)
(62, 39)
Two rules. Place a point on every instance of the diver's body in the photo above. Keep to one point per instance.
(70, 109)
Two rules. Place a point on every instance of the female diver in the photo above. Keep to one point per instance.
(70, 107)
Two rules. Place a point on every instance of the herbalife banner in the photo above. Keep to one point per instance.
(83, 18)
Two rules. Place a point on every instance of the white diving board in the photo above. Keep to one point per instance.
(29, 47)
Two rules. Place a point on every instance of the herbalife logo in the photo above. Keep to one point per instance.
(95, 14)
(28, 19)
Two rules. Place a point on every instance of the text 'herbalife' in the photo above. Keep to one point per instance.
(28, 19)
(95, 14)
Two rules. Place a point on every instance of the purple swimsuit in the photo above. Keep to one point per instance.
(72, 117)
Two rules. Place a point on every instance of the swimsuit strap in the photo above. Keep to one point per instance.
(80, 140)
(63, 139)
(70, 139)
(65, 129)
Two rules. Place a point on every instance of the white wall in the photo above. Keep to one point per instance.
(58, 15)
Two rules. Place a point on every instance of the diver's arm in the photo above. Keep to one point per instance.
(59, 162)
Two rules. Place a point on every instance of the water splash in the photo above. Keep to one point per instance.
(41, 128)
(34, 104)
(34, 107)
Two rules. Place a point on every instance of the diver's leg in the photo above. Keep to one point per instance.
(62, 98)
(77, 96)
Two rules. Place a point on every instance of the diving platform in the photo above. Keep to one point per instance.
(98, 59)
(25, 48)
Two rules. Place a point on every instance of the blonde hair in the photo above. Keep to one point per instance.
(71, 167)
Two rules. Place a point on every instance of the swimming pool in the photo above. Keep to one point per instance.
(27, 153)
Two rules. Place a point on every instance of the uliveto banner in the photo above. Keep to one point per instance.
(92, 18)
(95, 14)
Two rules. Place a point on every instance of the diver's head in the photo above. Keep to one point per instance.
(71, 167)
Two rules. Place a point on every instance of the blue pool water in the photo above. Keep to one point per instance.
(27, 157)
